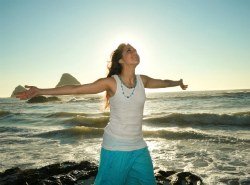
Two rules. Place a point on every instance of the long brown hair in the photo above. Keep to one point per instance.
(114, 67)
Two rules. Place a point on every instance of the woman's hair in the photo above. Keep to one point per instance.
(114, 67)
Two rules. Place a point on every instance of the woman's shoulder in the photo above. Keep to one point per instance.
(109, 79)
(112, 85)
(106, 80)
(143, 75)
(143, 78)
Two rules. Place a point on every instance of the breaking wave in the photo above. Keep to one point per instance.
(240, 119)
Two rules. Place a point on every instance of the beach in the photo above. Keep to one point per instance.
(203, 132)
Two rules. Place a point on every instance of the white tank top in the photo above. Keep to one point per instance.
(124, 130)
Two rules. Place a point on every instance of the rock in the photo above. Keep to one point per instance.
(11, 177)
(66, 173)
(18, 89)
(186, 178)
(161, 176)
(53, 98)
(43, 99)
(67, 79)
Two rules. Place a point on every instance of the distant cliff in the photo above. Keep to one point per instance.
(68, 79)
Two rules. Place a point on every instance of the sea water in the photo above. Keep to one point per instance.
(203, 132)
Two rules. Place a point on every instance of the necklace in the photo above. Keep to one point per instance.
(122, 83)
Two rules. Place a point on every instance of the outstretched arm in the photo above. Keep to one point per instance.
(98, 86)
(158, 83)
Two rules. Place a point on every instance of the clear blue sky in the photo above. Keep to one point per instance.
(207, 43)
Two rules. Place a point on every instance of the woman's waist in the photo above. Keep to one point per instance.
(128, 121)
(109, 136)
(127, 132)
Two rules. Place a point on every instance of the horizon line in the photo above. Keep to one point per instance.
(152, 91)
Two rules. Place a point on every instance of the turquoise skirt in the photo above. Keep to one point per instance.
(125, 168)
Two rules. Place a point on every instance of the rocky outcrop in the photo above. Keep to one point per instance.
(177, 178)
(68, 79)
(71, 173)
(67, 173)
(18, 89)
(43, 99)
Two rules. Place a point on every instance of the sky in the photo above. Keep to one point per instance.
(204, 42)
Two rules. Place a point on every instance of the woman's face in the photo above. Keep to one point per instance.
(130, 55)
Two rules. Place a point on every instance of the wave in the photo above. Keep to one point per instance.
(240, 119)
(71, 114)
(98, 122)
(4, 113)
(199, 95)
(236, 94)
(10, 129)
(73, 132)
(54, 115)
(89, 132)
(6, 131)
(96, 99)
(185, 135)
(64, 114)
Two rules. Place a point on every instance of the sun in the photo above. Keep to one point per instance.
(135, 39)
(128, 38)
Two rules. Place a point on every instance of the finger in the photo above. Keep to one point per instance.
(22, 94)
(21, 97)
(24, 97)
(19, 94)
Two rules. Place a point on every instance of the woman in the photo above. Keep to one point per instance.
(125, 158)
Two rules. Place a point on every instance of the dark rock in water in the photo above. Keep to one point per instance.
(71, 173)
(37, 99)
(43, 99)
(184, 178)
(61, 173)
(161, 176)
(174, 178)
(53, 98)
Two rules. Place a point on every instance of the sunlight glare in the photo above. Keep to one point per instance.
(134, 39)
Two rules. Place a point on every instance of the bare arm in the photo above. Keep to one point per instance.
(98, 86)
(158, 83)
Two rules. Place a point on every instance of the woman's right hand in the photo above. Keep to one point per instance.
(30, 93)
(182, 85)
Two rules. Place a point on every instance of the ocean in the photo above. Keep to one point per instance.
(203, 132)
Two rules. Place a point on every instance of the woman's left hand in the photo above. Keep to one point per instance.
(182, 85)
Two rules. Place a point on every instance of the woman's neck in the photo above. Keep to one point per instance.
(128, 76)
